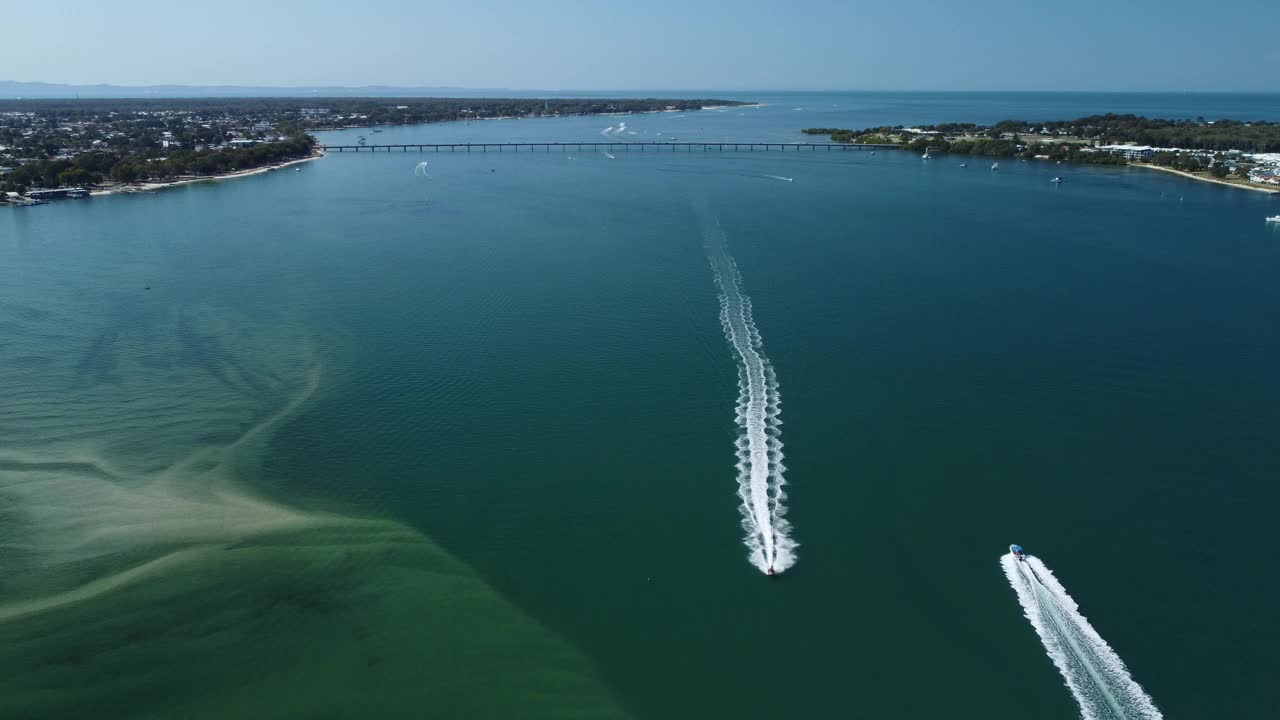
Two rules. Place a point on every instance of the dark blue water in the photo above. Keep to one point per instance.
(518, 360)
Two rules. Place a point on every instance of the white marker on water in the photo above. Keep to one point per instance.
(1095, 675)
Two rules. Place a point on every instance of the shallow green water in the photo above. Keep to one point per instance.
(465, 444)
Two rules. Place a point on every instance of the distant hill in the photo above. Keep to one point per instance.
(11, 89)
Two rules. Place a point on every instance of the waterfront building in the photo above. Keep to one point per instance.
(1132, 152)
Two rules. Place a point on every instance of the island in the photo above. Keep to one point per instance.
(70, 148)
(1231, 152)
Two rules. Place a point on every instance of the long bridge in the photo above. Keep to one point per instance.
(609, 146)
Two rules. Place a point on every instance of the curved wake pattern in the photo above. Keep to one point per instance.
(759, 444)
(1096, 676)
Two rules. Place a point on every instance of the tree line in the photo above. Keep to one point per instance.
(1190, 134)
(92, 168)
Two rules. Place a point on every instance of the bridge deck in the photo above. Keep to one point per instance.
(616, 146)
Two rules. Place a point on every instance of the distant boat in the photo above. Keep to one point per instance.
(1274, 219)
(1056, 180)
(925, 156)
(873, 152)
(995, 166)
(964, 164)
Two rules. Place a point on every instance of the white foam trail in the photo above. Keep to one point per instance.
(620, 129)
(759, 444)
(608, 155)
(1096, 676)
(421, 169)
(607, 130)
(779, 177)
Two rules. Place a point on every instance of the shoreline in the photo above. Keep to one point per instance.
(1213, 180)
(147, 187)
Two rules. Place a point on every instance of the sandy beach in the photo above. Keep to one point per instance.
(153, 186)
(1216, 181)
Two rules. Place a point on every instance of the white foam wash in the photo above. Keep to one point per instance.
(1096, 676)
(759, 444)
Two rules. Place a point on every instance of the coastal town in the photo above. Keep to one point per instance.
(1229, 152)
(57, 149)
(54, 149)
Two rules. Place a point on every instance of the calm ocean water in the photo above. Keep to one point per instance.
(354, 441)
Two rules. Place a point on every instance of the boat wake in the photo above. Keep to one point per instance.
(779, 177)
(1096, 676)
(759, 443)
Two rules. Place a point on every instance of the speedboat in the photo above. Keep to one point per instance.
(1018, 552)
(925, 156)
(1274, 219)
(964, 164)
(995, 166)
(1056, 180)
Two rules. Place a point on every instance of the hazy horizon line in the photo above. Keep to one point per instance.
(50, 85)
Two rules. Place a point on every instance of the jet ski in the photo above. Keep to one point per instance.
(1018, 552)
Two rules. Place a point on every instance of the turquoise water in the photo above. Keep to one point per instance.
(464, 444)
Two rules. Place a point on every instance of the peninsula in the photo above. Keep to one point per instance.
(1242, 154)
(48, 147)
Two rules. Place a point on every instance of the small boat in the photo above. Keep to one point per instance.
(1018, 552)
(1056, 180)
(964, 164)
(995, 166)
(1274, 219)
(873, 152)
(925, 156)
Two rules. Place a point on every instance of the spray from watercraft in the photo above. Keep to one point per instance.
(779, 177)
(420, 169)
(759, 443)
(608, 155)
(1095, 675)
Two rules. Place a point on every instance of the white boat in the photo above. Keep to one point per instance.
(1056, 180)
(995, 166)
(964, 164)
(1274, 219)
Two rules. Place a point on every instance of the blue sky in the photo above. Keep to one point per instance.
(652, 44)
